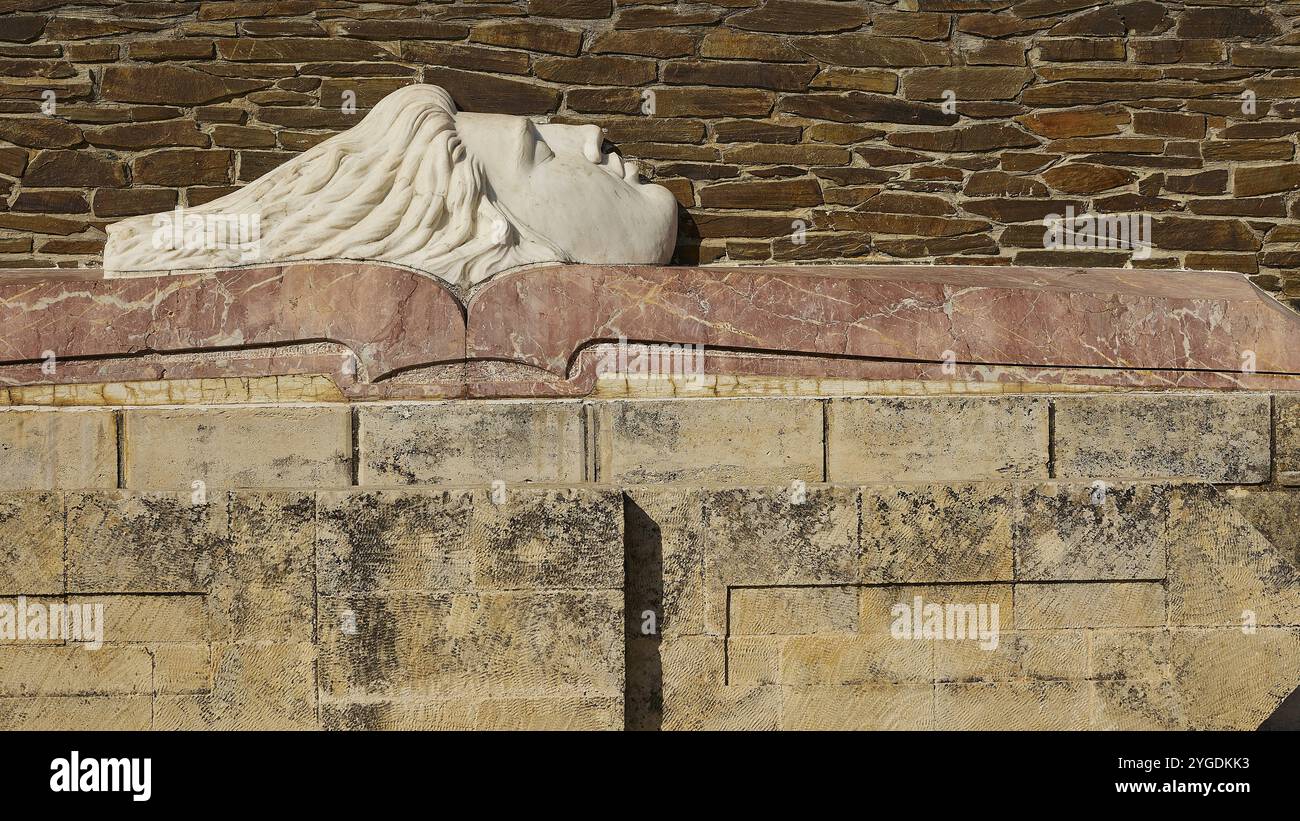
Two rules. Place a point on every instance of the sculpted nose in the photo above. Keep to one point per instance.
(593, 136)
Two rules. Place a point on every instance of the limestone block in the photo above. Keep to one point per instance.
(34, 605)
(470, 443)
(1227, 679)
(150, 619)
(753, 660)
(735, 441)
(861, 707)
(548, 537)
(876, 603)
(1273, 513)
(1044, 655)
(74, 670)
(31, 543)
(936, 439)
(937, 533)
(1009, 705)
(56, 450)
(697, 696)
(793, 610)
(1286, 437)
(255, 447)
(1082, 532)
(486, 714)
(143, 542)
(255, 687)
(856, 659)
(182, 668)
(81, 713)
(1104, 604)
(379, 541)
(1224, 572)
(264, 582)
(1130, 704)
(494, 644)
(644, 692)
(1216, 438)
(726, 708)
(771, 536)
(665, 544)
(1130, 654)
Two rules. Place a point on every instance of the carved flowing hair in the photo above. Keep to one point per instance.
(398, 187)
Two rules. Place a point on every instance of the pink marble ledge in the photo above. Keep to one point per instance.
(382, 331)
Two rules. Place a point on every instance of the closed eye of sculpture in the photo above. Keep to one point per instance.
(457, 195)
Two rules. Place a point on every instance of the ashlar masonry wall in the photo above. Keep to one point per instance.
(656, 564)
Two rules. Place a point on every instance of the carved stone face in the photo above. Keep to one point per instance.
(458, 196)
(556, 181)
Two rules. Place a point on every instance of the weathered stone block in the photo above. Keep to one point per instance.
(470, 443)
(49, 450)
(73, 670)
(392, 541)
(715, 440)
(182, 668)
(537, 537)
(1286, 435)
(1224, 572)
(754, 660)
(936, 439)
(265, 579)
(31, 543)
(81, 713)
(1037, 705)
(1216, 438)
(664, 542)
(861, 707)
(150, 619)
(1085, 532)
(1232, 680)
(1045, 655)
(255, 687)
(237, 447)
(788, 611)
(876, 614)
(1127, 704)
(497, 644)
(856, 659)
(468, 714)
(937, 533)
(773, 536)
(1130, 654)
(143, 542)
(1103, 604)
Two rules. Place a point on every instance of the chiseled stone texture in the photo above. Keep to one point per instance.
(937, 533)
(736, 441)
(1286, 437)
(1213, 437)
(1084, 531)
(263, 447)
(936, 438)
(64, 449)
(1122, 609)
(469, 443)
(263, 609)
(31, 543)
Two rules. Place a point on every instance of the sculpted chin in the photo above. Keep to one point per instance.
(457, 195)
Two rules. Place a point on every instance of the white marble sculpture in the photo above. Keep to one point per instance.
(457, 195)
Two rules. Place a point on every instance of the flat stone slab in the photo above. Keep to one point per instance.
(380, 330)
